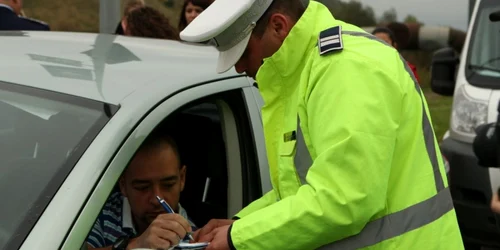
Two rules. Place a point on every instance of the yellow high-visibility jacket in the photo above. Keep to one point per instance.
(352, 153)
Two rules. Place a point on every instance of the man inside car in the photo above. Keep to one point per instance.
(132, 216)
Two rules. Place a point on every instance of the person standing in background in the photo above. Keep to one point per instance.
(149, 22)
(11, 17)
(390, 38)
(190, 10)
(129, 7)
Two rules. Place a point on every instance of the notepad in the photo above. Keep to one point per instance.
(192, 246)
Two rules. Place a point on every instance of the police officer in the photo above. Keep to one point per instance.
(351, 149)
(10, 19)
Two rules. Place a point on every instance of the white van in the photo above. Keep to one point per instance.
(475, 86)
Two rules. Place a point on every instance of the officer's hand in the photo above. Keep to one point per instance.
(164, 232)
(203, 234)
(219, 239)
(495, 203)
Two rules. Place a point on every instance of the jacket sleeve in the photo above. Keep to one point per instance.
(264, 201)
(353, 108)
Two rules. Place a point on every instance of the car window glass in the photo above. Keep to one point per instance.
(38, 134)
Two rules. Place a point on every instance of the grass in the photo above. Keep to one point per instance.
(440, 108)
(83, 15)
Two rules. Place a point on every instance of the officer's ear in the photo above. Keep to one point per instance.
(280, 25)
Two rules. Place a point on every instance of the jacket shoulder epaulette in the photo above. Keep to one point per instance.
(330, 40)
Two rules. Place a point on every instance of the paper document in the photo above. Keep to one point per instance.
(199, 245)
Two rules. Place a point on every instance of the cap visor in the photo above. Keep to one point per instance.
(227, 59)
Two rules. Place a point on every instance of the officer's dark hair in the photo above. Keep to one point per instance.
(149, 22)
(292, 8)
(386, 31)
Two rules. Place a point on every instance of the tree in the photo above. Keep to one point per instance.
(169, 3)
(352, 12)
(411, 19)
(389, 16)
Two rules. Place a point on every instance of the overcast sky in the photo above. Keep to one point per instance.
(431, 12)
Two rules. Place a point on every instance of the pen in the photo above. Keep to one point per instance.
(169, 210)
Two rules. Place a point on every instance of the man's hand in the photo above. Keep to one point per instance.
(495, 203)
(164, 232)
(204, 234)
(219, 239)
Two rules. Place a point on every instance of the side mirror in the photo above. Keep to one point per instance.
(444, 63)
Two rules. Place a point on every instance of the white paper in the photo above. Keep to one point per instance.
(198, 245)
(182, 245)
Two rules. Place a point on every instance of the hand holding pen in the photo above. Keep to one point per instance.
(164, 232)
(169, 210)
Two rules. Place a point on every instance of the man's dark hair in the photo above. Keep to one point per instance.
(292, 8)
(158, 139)
(386, 31)
(200, 3)
(148, 22)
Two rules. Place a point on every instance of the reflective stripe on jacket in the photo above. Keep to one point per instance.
(361, 170)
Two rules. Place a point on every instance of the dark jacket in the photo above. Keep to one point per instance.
(10, 21)
(119, 29)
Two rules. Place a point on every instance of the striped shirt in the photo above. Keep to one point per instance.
(115, 221)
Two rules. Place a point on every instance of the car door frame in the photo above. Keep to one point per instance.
(255, 115)
(89, 212)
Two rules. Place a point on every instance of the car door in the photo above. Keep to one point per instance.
(228, 103)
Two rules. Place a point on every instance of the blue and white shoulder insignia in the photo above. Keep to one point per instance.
(330, 40)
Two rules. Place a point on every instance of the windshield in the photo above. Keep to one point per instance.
(42, 135)
(483, 62)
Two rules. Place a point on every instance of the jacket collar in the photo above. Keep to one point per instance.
(292, 54)
(4, 6)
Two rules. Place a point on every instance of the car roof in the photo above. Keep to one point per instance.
(103, 67)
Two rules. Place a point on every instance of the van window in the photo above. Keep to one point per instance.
(483, 61)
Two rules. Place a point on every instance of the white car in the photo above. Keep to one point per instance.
(76, 106)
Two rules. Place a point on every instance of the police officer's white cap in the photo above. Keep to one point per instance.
(229, 24)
